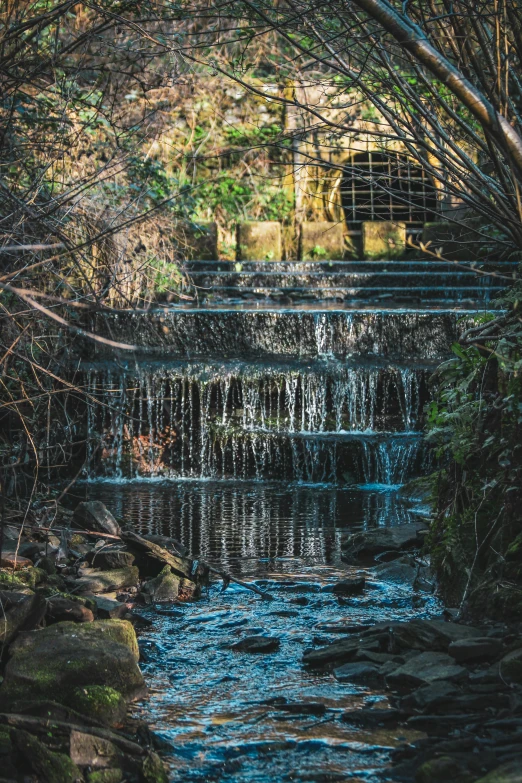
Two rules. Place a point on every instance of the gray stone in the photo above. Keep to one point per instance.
(94, 515)
(353, 586)
(433, 635)
(511, 772)
(358, 672)
(107, 581)
(164, 588)
(19, 612)
(430, 697)
(109, 608)
(475, 649)
(369, 543)
(256, 644)
(343, 651)
(65, 609)
(425, 668)
(107, 559)
(510, 667)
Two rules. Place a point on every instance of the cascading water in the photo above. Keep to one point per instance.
(328, 423)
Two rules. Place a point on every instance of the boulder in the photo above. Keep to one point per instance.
(107, 581)
(475, 649)
(510, 667)
(109, 608)
(94, 515)
(353, 586)
(164, 588)
(63, 609)
(358, 672)
(511, 772)
(101, 702)
(256, 644)
(369, 543)
(425, 668)
(111, 558)
(444, 769)
(32, 756)
(15, 561)
(431, 697)
(343, 651)
(19, 612)
(53, 662)
(433, 635)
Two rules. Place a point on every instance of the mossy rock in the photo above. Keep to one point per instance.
(11, 581)
(6, 746)
(53, 662)
(51, 592)
(163, 588)
(153, 769)
(105, 776)
(46, 765)
(510, 772)
(443, 769)
(100, 702)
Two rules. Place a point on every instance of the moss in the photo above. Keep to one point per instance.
(5, 741)
(442, 769)
(32, 577)
(105, 776)
(100, 702)
(514, 550)
(506, 773)
(44, 763)
(51, 592)
(153, 769)
(11, 581)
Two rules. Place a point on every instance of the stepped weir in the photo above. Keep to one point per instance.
(258, 425)
(267, 376)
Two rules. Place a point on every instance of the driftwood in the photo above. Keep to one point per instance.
(184, 566)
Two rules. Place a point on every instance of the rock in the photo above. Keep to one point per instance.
(88, 750)
(47, 564)
(256, 644)
(31, 549)
(474, 649)
(358, 672)
(370, 717)
(188, 590)
(349, 586)
(63, 609)
(107, 581)
(164, 588)
(510, 667)
(369, 543)
(19, 612)
(511, 772)
(343, 651)
(299, 707)
(94, 515)
(435, 635)
(34, 757)
(425, 668)
(109, 608)
(443, 770)
(101, 702)
(107, 559)
(15, 561)
(430, 697)
(53, 662)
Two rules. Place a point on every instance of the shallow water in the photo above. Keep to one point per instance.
(221, 713)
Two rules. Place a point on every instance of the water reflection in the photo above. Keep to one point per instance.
(247, 525)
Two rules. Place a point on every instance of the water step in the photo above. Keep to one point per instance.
(267, 333)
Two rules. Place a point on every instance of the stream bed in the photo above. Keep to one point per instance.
(232, 716)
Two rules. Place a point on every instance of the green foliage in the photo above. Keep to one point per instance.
(475, 426)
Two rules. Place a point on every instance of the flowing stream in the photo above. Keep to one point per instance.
(259, 436)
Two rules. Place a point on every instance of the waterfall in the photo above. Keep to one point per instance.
(301, 423)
